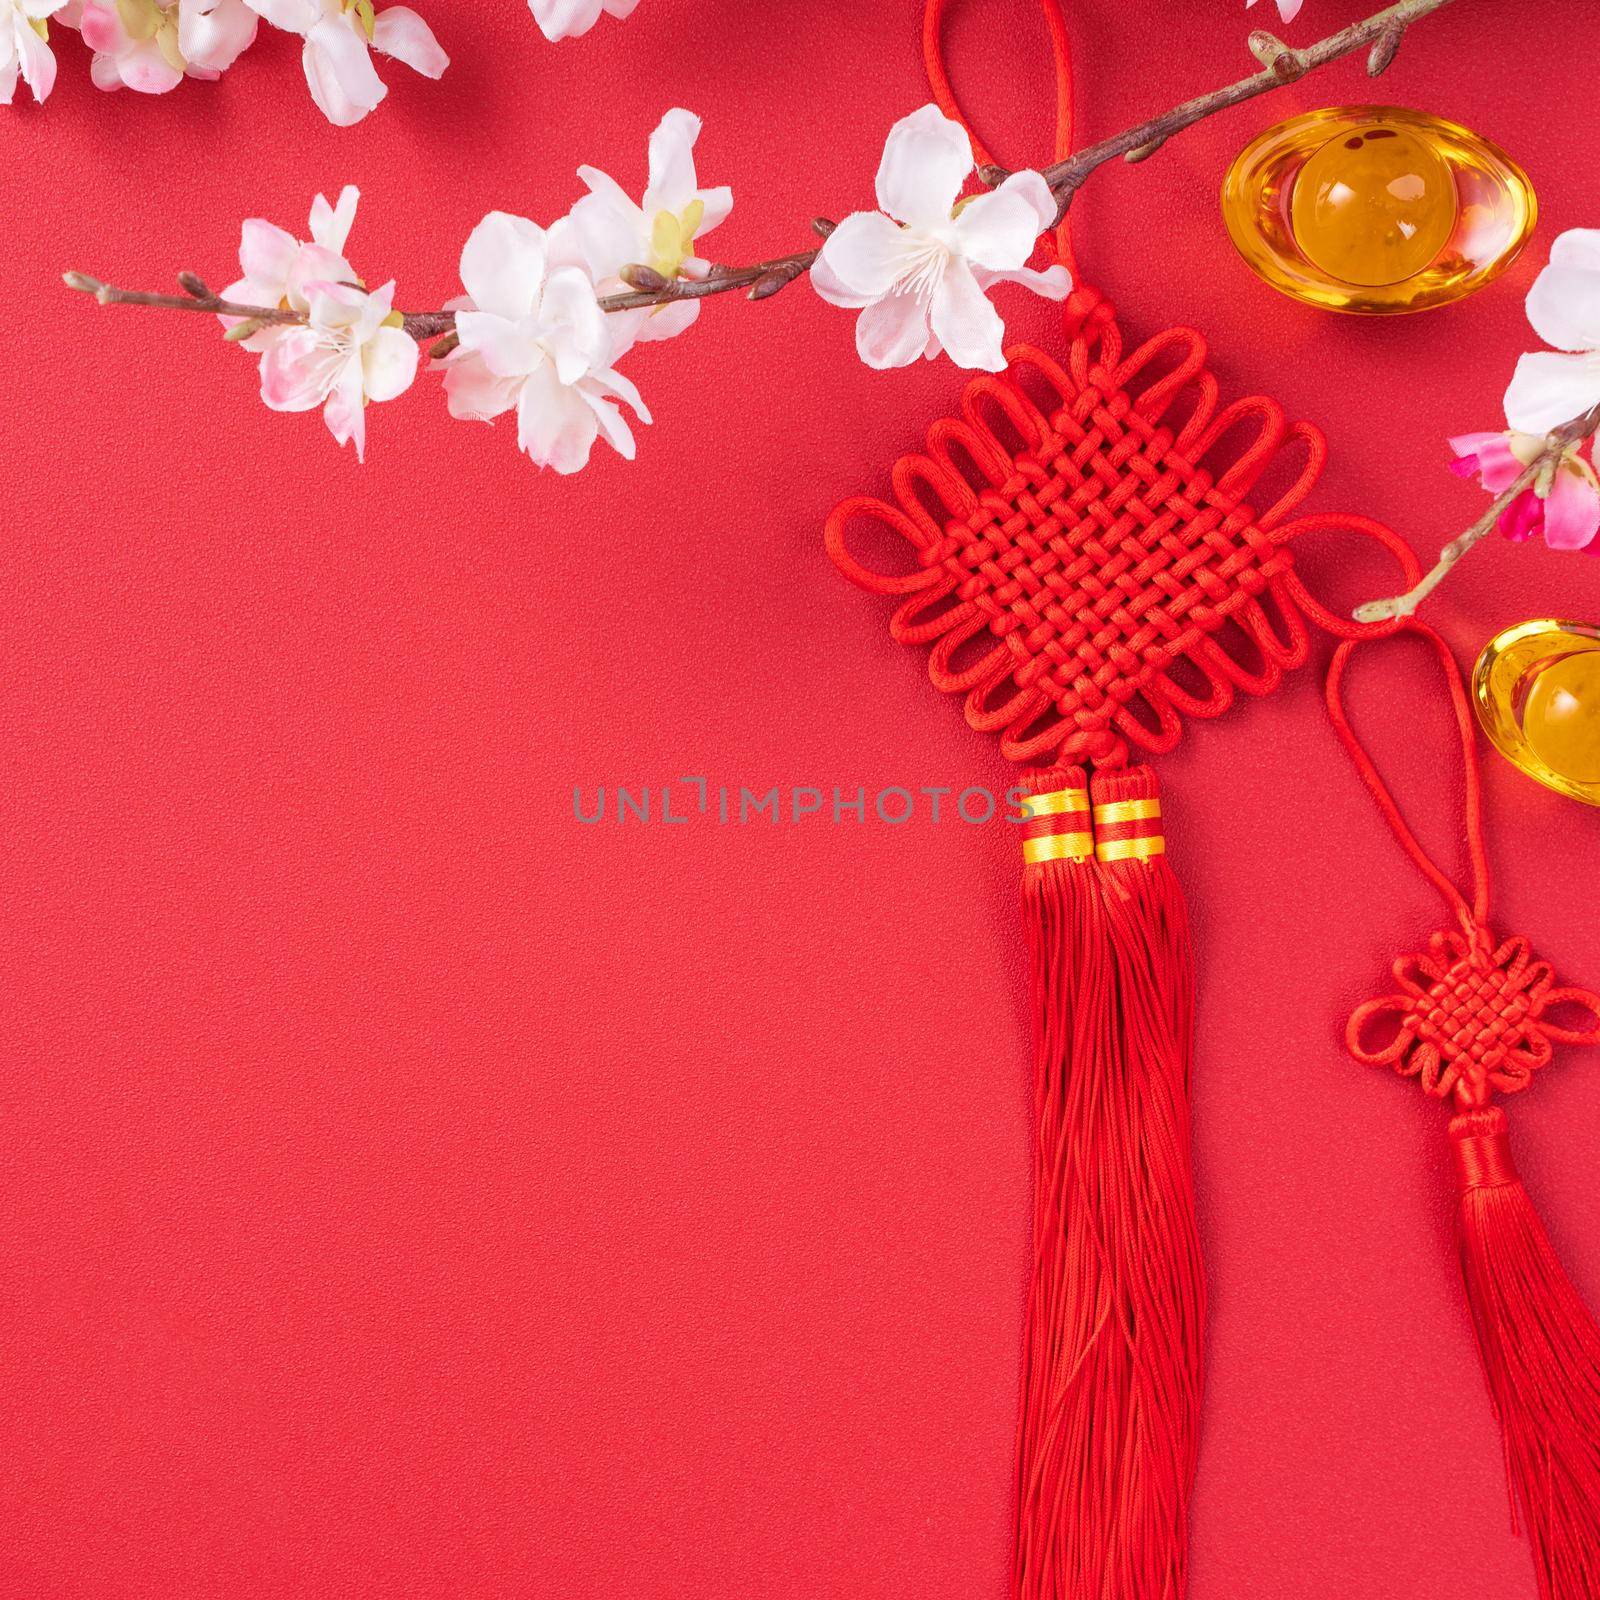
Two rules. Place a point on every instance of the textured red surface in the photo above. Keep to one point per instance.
(411, 1192)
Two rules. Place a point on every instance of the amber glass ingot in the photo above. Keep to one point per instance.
(1376, 209)
(1536, 689)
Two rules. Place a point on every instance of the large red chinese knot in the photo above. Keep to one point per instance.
(1474, 1018)
(1087, 561)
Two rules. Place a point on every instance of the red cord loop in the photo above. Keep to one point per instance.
(1059, 247)
(1471, 1017)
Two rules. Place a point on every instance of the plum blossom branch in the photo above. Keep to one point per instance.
(1535, 477)
(1536, 470)
(644, 287)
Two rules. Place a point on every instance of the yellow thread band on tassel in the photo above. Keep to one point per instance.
(1055, 804)
(1058, 847)
(1127, 811)
(1131, 849)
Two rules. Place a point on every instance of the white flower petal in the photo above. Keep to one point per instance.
(399, 32)
(965, 323)
(668, 322)
(473, 393)
(345, 413)
(718, 203)
(213, 34)
(388, 363)
(868, 254)
(343, 81)
(503, 265)
(613, 426)
(1054, 283)
(1564, 306)
(267, 254)
(36, 61)
(1577, 247)
(555, 425)
(998, 230)
(294, 16)
(609, 237)
(893, 331)
(509, 349)
(330, 225)
(672, 179)
(575, 327)
(1548, 390)
(833, 288)
(926, 159)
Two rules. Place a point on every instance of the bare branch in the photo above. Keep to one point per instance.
(1381, 33)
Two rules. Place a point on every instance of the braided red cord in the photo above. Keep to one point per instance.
(1059, 247)
(1086, 558)
(1471, 1017)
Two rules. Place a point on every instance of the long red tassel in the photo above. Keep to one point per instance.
(1112, 1368)
(1541, 1355)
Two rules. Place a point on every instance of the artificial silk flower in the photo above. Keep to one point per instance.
(1288, 10)
(1565, 511)
(352, 350)
(534, 337)
(279, 268)
(566, 19)
(1564, 307)
(25, 47)
(151, 46)
(658, 231)
(338, 33)
(918, 268)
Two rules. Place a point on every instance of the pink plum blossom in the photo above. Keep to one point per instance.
(1563, 305)
(919, 267)
(353, 350)
(566, 19)
(1565, 510)
(338, 33)
(658, 231)
(25, 47)
(278, 268)
(151, 46)
(533, 336)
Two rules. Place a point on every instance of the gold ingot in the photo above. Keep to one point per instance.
(1376, 209)
(1536, 689)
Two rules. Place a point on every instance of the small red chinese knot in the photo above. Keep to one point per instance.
(1472, 1017)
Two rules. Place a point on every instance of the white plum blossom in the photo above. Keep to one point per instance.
(1288, 10)
(279, 268)
(1549, 389)
(338, 34)
(918, 268)
(533, 336)
(566, 19)
(658, 231)
(151, 46)
(353, 349)
(25, 47)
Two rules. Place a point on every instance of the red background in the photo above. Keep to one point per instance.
(410, 1192)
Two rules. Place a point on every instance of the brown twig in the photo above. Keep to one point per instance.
(1380, 34)
(1536, 475)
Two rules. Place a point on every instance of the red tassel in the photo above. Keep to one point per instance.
(1111, 1375)
(1541, 1355)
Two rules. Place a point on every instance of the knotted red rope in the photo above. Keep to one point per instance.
(1472, 1019)
(1086, 562)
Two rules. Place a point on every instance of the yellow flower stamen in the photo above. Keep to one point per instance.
(672, 238)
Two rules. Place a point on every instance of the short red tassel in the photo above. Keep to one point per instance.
(1109, 1419)
(1541, 1355)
